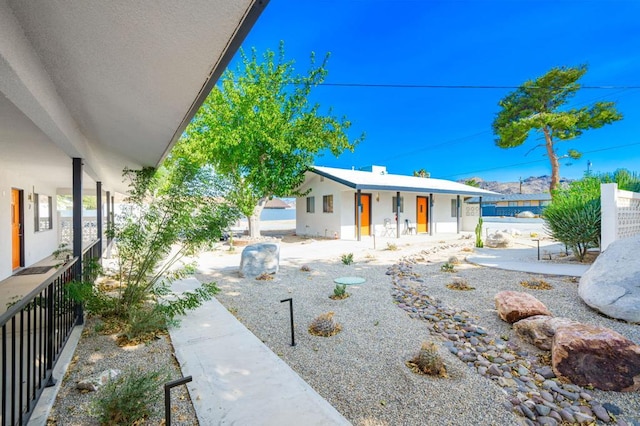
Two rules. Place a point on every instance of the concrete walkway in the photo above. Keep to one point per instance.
(525, 259)
(237, 380)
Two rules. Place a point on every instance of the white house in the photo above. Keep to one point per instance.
(425, 205)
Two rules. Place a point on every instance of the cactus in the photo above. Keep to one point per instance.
(479, 242)
(324, 325)
(339, 292)
(429, 361)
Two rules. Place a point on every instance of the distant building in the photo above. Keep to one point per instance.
(512, 204)
(276, 203)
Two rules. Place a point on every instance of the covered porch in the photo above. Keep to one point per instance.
(86, 90)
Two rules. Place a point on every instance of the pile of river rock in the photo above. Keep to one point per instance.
(533, 388)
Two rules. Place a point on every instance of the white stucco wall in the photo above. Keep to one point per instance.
(319, 224)
(37, 245)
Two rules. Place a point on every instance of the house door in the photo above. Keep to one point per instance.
(17, 228)
(365, 214)
(422, 214)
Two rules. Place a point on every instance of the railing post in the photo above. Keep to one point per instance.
(50, 332)
(167, 397)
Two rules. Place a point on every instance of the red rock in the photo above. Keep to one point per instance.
(540, 329)
(596, 356)
(513, 306)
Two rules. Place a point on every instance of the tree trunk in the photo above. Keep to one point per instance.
(254, 219)
(553, 158)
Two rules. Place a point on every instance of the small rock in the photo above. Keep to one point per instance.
(567, 415)
(583, 418)
(600, 412)
(494, 370)
(611, 408)
(547, 421)
(93, 383)
(543, 410)
(527, 411)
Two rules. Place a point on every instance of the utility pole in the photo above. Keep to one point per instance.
(589, 164)
(521, 184)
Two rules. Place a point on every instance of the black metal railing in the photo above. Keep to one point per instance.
(33, 333)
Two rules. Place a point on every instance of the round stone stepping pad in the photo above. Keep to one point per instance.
(349, 280)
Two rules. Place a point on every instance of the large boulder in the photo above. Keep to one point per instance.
(260, 258)
(498, 239)
(612, 284)
(540, 329)
(596, 356)
(513, 306)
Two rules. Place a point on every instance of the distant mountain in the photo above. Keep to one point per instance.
(530, 185)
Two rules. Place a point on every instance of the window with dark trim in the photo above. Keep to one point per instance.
(311, 204)
(43, 211)
(327, 203)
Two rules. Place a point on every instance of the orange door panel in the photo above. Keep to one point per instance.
(16, 230)
(365, 215)
(421, 214)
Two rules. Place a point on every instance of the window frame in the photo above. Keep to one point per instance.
(311, 204)
(42, 223)
(393, 204)
(327, 203)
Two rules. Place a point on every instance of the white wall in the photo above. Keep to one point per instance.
(620, 214)
(319, 224)
(37, 245)
(470, 215)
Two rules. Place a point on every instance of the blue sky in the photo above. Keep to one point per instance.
(472, 43)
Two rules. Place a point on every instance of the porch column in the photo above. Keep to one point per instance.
(458, 213)
(480, 206)
(358, 214)
(113, 209)
(77, 226)
(108, 216)
(430, 214)
(99, 214)
(398, 214)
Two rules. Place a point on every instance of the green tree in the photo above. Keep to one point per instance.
(421, 173)
(472, 182)
(540, 105)
(259, 129)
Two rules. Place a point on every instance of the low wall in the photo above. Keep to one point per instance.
(620, 214)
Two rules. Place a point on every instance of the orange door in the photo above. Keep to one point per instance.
(365, 215)
(421, 214)
(16, 229)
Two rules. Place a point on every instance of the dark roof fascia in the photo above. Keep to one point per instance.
(250, 18)
(333, 178)
(365, 187)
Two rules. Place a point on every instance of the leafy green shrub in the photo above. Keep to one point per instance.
(573, 217)
(129, 398)
(347, 258)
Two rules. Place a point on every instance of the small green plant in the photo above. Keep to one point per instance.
(347, 258)
(392, 247)
(340, 292)
(130, 398)
(190, 268)
(447, 267)
(479, 242)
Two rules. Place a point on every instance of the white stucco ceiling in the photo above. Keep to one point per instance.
(113, 82)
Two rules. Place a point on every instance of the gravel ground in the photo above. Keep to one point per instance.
(98, 352)
(361, 370)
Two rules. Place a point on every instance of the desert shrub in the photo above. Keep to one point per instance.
(347, 258)
(573, 217)
(129, 398)
(428, 361)
(447, 267)
(392, 247)
(324, 325)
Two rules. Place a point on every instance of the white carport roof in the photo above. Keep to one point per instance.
(111, 82)
(365, 180)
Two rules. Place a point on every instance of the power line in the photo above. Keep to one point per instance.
(537, 161)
